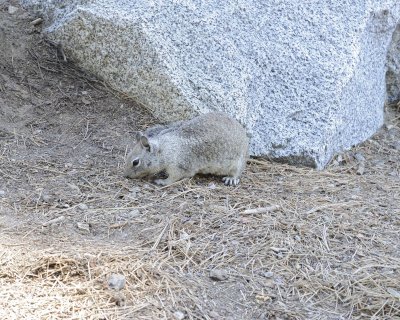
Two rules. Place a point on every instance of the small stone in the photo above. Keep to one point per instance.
(268, 274)
(212, 186)
(215, 315)
(83, 226)
(359, 157)
(12, 9)
(179, 315)
(82, 206)
(2, 193)
(116, 281)
(134, 213)
(218, 275)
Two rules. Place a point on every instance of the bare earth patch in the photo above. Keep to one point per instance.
(287, 243)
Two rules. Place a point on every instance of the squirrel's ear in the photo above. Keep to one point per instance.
(145, 142)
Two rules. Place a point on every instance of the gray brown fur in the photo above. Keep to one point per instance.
(212, 143)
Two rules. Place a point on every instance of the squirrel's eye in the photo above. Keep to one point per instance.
(135, 162)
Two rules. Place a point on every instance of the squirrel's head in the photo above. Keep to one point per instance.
(143, 159)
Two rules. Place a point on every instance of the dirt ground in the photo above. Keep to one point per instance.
(321, 244)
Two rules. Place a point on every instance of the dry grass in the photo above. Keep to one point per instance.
(328, 248)
(294, 243)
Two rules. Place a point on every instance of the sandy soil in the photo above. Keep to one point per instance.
(320, 245)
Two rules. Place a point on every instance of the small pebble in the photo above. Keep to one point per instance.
(83, 226)
(116, 281)
(12, 9)
(82, 206)
(68, 165)
(214, 315)
(179, 315)
(2, 193)
(218, 275)
(134, 213)
(268, 274)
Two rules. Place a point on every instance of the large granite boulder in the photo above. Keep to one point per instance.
(307, 78)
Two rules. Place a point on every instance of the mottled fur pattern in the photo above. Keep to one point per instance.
(212, 143)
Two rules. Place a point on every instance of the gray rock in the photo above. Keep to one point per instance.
(83, 226)
(82, 206)
(268, 274)
(116, 281)
(12, 9)
(179, 315)
(134, 213)
(215, 315)
(218, 275)
(305, 78)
